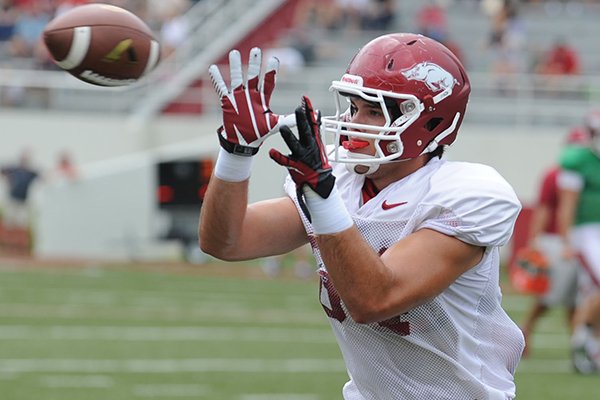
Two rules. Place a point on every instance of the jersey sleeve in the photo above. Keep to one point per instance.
(471, 202)
(571, 180)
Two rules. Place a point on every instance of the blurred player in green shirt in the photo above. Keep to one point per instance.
(579, 226)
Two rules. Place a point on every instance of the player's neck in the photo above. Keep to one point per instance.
(393, 172)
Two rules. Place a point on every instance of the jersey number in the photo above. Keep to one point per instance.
(335, 311)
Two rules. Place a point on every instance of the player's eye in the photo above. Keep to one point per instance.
(374, 112)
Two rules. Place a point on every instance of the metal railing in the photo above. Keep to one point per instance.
(515, 100)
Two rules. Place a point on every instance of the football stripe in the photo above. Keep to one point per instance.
(82, 36)
(152, 57)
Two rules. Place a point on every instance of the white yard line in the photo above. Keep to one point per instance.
(279, 396)
(171, 390)
(225, 365)
(199, 365)
(165, 313)
(529, 366)
(546, 340)
(77, 381)
(221, 365)
(151, 333)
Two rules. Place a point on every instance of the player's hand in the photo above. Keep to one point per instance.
(247, 117)
(307, 163)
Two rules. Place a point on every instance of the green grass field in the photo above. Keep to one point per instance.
(174, 332)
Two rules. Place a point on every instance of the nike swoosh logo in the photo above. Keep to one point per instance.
(388, 206)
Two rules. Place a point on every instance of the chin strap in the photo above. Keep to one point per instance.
(370, 167)
(355, 168)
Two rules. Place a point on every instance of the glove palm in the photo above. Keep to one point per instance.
(247, 117)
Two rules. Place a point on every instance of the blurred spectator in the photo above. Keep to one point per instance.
(65, 168)
(294, 50)
(8, 17)
(380, 16)
(559, 59)
(432, 21)
(22, 23)
(304, 42)
(175, 27)
(349, 13)
(19, 177)
(29, 25)
(491, 7)
(507, 44)
(313, 14)
(290, 58)
(333, 14)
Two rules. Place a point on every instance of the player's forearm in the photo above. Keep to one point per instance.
(358, 274)
(221, 217)
(539, 219)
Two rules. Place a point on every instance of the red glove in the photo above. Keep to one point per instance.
(307, 164)
(247, 117)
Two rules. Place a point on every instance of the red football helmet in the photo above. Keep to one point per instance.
(591, 124)
(422, 89)
(577, 136)
(592, 121)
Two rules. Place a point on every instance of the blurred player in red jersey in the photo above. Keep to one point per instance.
(544, 236)
(407, 243)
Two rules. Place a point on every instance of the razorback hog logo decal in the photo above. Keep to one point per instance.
(435, 77)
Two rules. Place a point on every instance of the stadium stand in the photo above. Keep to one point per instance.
(113, 132)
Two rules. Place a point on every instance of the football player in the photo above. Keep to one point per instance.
(579, 225)
(407, 243)
(544, 236)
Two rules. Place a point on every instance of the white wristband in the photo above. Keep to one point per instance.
(328, 215)
(232, 168)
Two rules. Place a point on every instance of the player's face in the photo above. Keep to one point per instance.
(364, 112)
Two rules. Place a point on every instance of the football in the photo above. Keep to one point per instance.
(102, 44)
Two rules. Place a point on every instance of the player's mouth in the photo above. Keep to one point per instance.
(355, 144)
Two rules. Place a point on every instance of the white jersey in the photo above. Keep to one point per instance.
(459, 346)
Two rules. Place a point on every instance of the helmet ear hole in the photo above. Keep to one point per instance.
(433, 123)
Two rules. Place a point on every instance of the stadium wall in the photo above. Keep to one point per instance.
(111, 211)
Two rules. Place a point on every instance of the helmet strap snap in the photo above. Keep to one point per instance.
(429, 103)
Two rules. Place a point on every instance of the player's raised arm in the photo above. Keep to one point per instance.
(229, 228)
